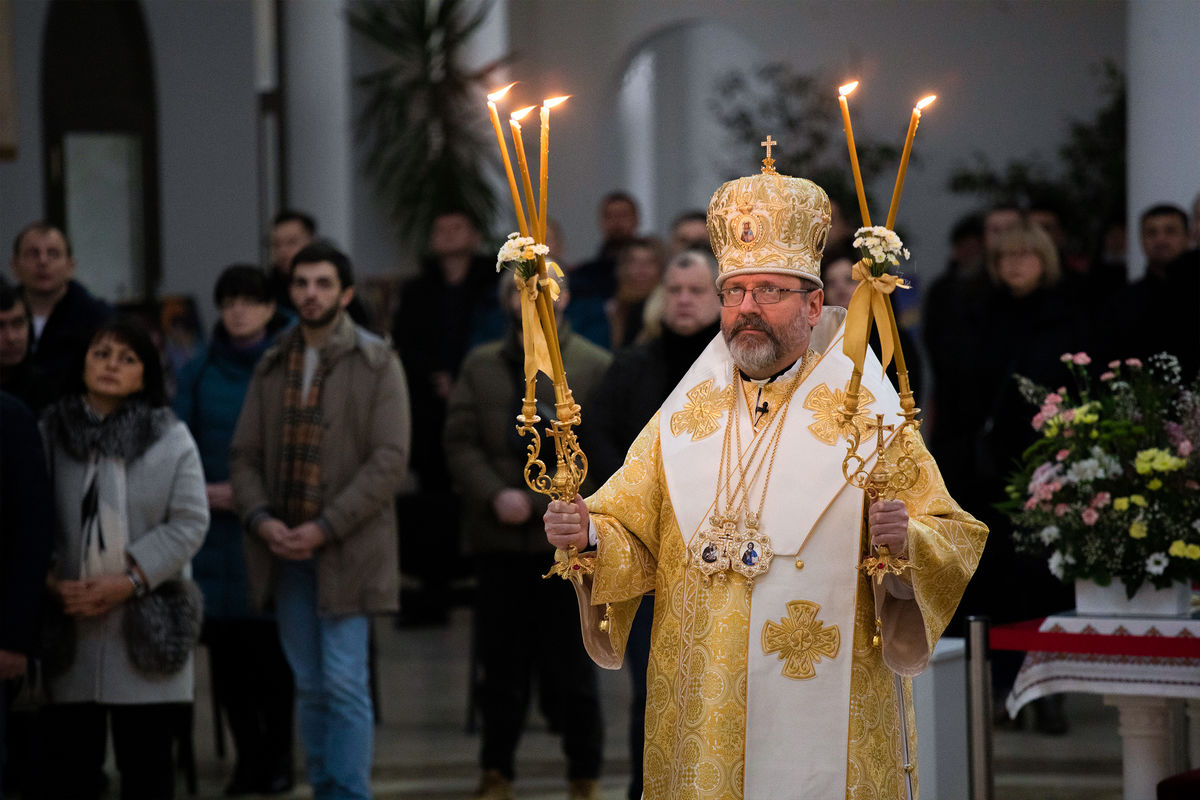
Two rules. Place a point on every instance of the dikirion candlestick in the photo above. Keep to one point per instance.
(544, 164)
(522, 226)
(908, 142)
(844, 92)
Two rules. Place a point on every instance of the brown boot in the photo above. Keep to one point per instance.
(494, 786)
(584, 789)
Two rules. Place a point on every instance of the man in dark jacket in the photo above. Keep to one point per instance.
(502, 522)
(636, 384)
(442, 313)
(64, 314)
(26, 537)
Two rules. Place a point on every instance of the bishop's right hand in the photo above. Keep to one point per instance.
(567, 524)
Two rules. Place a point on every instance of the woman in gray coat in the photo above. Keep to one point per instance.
(129, 497)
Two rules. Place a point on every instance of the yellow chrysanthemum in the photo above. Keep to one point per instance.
(1177, 548)
(1120, 504)
(1154, 485)
(1193, 551)
(1137, 529)
(1138, 500)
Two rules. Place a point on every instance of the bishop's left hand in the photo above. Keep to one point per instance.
(888, 520)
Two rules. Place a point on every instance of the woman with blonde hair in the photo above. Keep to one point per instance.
(1019, 326)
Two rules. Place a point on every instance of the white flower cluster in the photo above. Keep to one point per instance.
(519, 248)
(882, 244)
(1049, 535)
(1059, 561)
(1100, 466)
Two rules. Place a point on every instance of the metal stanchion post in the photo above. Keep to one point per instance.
(979, 708)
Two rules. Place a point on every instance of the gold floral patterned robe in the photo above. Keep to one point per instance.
(696, 735)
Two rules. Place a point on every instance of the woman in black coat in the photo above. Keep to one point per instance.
(1018, 324)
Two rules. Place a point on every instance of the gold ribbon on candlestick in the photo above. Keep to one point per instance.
(537, 351)
(870, 303)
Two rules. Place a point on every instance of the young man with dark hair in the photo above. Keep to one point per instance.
(618, 224)
(291, 232)
(1164, 231)
(320, 449)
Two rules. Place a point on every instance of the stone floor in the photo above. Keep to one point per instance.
(423, 748)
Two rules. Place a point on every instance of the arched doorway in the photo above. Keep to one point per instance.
(671, 143)
(99, 119)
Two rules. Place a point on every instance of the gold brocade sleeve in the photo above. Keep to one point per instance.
(944, 546)
(626, 513)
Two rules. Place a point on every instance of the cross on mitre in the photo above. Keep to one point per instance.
(768, 162)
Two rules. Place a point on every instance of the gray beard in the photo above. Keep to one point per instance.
(754, 356)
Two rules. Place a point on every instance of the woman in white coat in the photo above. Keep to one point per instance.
(131, 508)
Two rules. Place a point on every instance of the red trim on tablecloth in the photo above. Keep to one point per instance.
(1026, 636)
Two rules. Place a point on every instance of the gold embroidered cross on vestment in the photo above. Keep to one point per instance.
(702, 412)
(801, 640)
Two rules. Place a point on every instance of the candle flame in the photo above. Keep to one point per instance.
(925, 101)
(554, 101)
(517, 116)
(845, 91)
(499, 93)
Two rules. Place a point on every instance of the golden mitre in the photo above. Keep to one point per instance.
(769, 223)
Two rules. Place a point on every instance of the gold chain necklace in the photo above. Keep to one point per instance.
(726, 545)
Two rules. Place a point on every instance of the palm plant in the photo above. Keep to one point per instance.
(423, 121)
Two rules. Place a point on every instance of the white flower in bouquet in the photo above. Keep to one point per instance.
(1049, 534)
(881, 245)
(519, 253)
(1157, 563)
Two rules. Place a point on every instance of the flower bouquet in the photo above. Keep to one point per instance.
(1111, 490)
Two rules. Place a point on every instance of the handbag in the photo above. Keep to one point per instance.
(162, 627)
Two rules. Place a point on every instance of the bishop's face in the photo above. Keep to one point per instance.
(765, 338)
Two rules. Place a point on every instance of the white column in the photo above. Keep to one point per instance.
(1145, 743)
(317, 82)
(1164, 111)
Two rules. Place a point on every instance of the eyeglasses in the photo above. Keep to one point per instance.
(763, 295)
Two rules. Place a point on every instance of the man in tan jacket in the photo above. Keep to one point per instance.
(320, 449)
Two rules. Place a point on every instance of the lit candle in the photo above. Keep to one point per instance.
(544, 167)
(514, 122)
(843, 93)
(912, 131)
(508, 170)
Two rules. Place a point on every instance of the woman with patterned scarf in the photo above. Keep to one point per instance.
(131, 509)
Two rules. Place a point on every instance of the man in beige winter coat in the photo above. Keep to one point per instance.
(320, 449)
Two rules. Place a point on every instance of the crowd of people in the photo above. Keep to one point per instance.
(303, 460)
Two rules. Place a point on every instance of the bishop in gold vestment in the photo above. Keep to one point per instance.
(777, 668)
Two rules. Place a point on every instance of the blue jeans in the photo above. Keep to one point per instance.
(328, 656)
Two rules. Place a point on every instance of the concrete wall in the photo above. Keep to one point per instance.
(1010, 77)
(204, 70)
(21, 184)
(204, 78)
